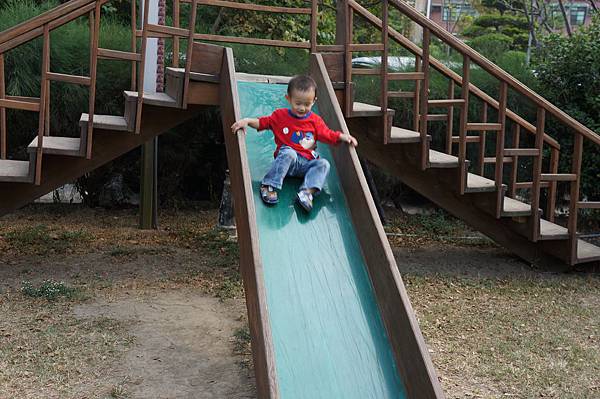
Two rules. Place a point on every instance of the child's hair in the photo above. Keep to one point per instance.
(301, 83)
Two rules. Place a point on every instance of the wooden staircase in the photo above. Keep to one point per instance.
(444, 175)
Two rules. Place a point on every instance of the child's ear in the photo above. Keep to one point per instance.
(287, 97)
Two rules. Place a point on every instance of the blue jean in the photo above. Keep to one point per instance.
(289, 163)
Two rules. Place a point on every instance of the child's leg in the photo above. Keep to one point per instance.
(286, 158)
(316, 172)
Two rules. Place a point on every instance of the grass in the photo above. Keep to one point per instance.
(521, 338)
(49, 289)
(42, 240)
(242, 347)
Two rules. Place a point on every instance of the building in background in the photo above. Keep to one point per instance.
(450, 13)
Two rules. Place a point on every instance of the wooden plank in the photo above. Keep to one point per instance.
(551, 202)
(403, 136)
(65, 19)
(513, 208)
(15, 171)
(326, 48)
(408, 346)
(383, 100)
(515, 166)
(133, 85)
(346, 14)
(480, 184)
(576, 163)
(558, 177)
(2, 110)
(166, 31)
(362, 109)
(118, 55)
(487, 160)
(401, 94)
(588, 204)
(587, 252)
(247, 40)
(206, 58)
(521, 152)
(495, 71)
(484, 126)
(437, 117)
(78, 80)
(22, 105)
(366, 47)
(467, 139)
(252, 7)
(450, 119)
(417, 101)
(34, 100)
(366, 71)
(440, 160)
(250, 260)
(176, 15)
(482, 143)
(455, 102)
(529, 184)
(105, 122)
(407, 76)
(68, 146)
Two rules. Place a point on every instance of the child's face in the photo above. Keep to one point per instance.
(301, 102)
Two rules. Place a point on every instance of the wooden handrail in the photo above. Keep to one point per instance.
(494, 70)
(33, 27)
(252, 7)
(449, 73)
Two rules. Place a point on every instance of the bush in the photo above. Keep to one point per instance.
(491, 45)
(568, 71)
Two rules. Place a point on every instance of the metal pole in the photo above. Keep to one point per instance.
(148, 178)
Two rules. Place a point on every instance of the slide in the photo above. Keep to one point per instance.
(328, 313)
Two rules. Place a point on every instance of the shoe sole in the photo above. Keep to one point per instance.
(307, 209)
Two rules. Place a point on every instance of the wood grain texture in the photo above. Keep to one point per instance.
(412, 357)
(245, 214)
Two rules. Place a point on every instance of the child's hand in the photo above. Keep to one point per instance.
(241, 124)
(349, 139)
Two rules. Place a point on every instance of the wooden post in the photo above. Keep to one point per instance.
(94, 35)
(424, 100)
(551, 205)
(482, 138)
(499, 172)
(43, 98)
(133, 44)
(537, 172)
(573, 205)
(384, 72)
(349, 102)
(417, 102)
(450, 118)
(176, 38)
(2, 110)
(314, 22)
(190, 49)
(464, 116)
(514, 171)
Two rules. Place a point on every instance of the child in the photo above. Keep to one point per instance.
(296, 132)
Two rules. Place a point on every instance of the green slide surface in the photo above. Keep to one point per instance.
(329, 339)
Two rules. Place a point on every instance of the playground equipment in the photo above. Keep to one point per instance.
(338, 325)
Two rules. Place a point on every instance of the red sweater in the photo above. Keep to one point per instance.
(301, 134)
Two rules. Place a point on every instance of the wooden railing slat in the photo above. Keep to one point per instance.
(252, 7)
(2, 110)
(118, 55)
(60, 77)
(407, 75)
(558, 177)
(22, 105)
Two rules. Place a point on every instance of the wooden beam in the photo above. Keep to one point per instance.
(118, 55)
(78, 80)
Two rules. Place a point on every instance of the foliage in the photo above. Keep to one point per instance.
(493, 34)
(48, 289)
(568, 71)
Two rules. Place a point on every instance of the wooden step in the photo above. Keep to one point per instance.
(442, 160)
(362, 110)
(106, 122)
(552, 231)
(587, 252)
(403, 136)
(15, 171)
(479, 184)
(158, 99)
(68, 146)
(514, 208)
(203, 77)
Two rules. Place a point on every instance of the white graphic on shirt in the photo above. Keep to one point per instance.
(286, 130)
(308, 141)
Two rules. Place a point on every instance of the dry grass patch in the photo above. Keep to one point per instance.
(47, 352)
(524, 338)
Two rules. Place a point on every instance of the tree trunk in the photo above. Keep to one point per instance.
(565, 17)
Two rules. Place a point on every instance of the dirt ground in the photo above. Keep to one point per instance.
(132, 314)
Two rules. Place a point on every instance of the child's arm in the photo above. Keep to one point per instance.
(243, 123)
(326, 135)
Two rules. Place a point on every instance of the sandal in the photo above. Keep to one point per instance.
(268, 195)
(305, 199)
